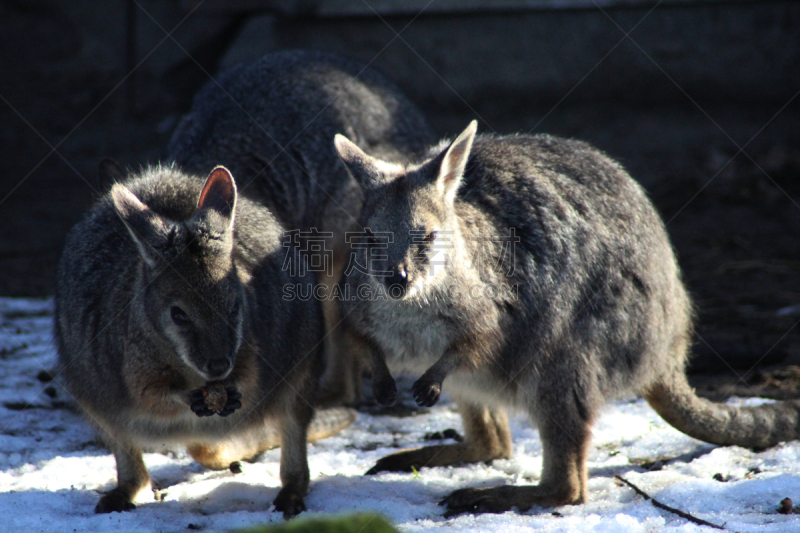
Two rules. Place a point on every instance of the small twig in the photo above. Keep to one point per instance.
(660, 505)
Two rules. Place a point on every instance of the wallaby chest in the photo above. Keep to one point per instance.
(415, 333)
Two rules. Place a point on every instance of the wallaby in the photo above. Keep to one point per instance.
(171, 329)
(556, 290)
(271, 122)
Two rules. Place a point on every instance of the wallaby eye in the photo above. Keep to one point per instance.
(235, 310)
(430, 237)
(370, 236)
(179, 316)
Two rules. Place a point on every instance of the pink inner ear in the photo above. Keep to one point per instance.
(220, 185)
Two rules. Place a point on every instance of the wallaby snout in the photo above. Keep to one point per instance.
(213, 356)
(397, 283)
(218, 368)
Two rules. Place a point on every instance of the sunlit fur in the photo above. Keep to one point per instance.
(597, 309)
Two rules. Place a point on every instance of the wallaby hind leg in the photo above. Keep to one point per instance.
(565, 435)
(486, 437)
(243, 446)
(294, 459)
(361, 349)
(346, 356)
(340, 384)
(132, 478)
(247, 444)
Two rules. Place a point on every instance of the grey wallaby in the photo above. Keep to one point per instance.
(171, 289)
(535, 273)
(271, 123)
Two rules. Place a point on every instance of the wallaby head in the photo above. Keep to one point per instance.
(193, 297)
(409, 213)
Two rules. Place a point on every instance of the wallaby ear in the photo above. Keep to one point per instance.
(454, 162)
(109, 172)
(366, 170)
(219, 194)
(144, 225)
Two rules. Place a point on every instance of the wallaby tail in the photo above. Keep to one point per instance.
(751, 427)
(248, 444)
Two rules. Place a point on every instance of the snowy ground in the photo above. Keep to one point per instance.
(51, 468)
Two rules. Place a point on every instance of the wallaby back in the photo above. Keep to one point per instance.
(272, 121)
(536, 272)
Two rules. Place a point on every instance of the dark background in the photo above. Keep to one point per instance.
(696, 98)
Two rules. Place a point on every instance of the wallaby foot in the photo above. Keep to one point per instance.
(117, 500)
(565, 440)
(502, 499)
(487, 437)
(384, 387)
(563, 480)
(132, 478)
(294, 459)
(289, 502)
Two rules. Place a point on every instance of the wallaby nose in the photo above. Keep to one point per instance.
(218, 367)
(397, 283)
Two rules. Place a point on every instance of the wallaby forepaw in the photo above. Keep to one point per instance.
(199, 402)
(385, 392)
(114, 501)
(426, 393)
(289, 503)
(477, 501)
(233, 402)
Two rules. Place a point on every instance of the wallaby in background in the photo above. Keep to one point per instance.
(169, 299)
(271, 122)
(555, 290)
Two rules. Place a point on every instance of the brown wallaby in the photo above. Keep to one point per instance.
(535, 273)
(271, 121)
(171, 328)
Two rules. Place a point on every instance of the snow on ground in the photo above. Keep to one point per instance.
(51, 468)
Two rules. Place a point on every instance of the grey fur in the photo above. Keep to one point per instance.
(593, 309)
(271, 122)
(162, 241)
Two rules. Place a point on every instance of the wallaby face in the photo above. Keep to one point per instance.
(193, 295)
(412, 210)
